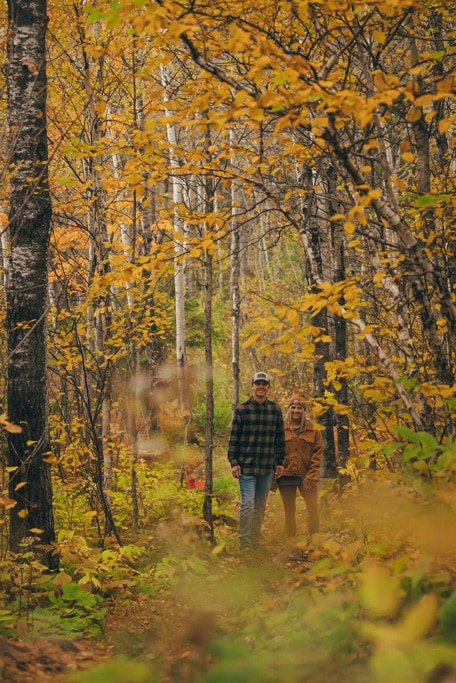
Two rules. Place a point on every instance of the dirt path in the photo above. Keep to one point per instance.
(45, 660)
(168, 630)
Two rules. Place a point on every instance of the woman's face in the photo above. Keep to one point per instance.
(296, 411)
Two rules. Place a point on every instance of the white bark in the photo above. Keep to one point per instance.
(179, 240)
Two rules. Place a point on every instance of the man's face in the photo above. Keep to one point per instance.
(260, 391)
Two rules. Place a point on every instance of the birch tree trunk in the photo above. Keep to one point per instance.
(27, 297)
(179, 267)
(235, 271)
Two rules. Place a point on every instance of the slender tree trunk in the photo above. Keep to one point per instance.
(342, 440)
(209, 440)
(210, 208)
(235, 271)
(27, 296)
(132, 413)
(316, 244)
(179, 268)
(97, 394)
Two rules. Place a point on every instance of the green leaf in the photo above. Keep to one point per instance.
(447, 618)
(410, 452)
(429, 440)
(73, 591)
(407, 433)
(391, 447)
(95, 16)
(426, 200)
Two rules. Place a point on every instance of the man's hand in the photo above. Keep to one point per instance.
(236, 471)
(278, 471)
(308, 485)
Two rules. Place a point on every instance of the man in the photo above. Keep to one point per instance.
(256, 450)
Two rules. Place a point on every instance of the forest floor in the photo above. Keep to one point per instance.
(170, 630)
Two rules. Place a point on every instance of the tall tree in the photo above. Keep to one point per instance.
(235, 270)
(336, 80)
(27, 294)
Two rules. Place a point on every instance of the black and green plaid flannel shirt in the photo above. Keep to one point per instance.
(257, 439)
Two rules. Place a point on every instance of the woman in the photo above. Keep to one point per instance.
(304, 453)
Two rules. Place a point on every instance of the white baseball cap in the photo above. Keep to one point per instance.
(261, 377)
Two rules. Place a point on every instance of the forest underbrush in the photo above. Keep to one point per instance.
(370, 598)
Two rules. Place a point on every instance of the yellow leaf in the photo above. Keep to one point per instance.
(321, 121)
(375, 194)
(379, 37)
(219, 548)
(100, 107)
(51, 460)
(398, 182)
(7, 503)
(413, 115)
(9, 426)
(421, 618)
(253, 339)
(379, 80)
(22, 513)
(424, 100)
(270, 99)
(34, 530)
(379, 591)
(408, 156)
(363, 116)
(349, 227)
(446, 391)
(282, 123)
(292, 316)
(20, 485)
(257, 114)
(444, 124)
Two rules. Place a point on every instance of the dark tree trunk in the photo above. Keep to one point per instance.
(209, 446)
(317, 245)
(342, 424)
(208, 464)
(26, 299)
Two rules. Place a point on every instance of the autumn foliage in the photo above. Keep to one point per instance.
(297, 158)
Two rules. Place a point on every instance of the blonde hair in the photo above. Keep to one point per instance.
(303, 416)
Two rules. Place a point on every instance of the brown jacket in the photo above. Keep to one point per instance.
(304, 453)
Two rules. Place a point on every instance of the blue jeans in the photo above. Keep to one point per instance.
(254, 494)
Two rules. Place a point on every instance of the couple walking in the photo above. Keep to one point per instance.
(265, 450)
